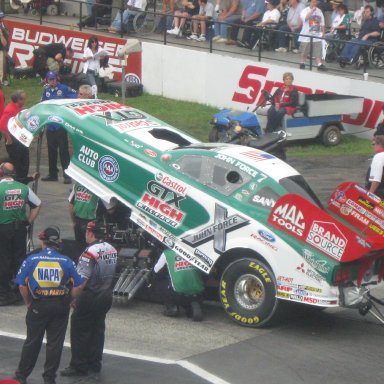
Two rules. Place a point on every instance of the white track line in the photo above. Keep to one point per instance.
(195, 369)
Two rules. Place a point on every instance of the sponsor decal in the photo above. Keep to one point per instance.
(345, 210)
(340, 196)
(218, 230)
(253, 186)
(319, 265)
(55, 119)
(132, 78)
(362, 242)
(203, 257)
(88, 156)
(23, 138)
(191, 258)
(290, 217)
(284, 279)
(125, 126)
(152, 231)
(265, 198)
(268, 236)
(284, 288)
(365, 202)
(301, 292)
(359, 217)
(242, 166)
(309, 273)
(109, 169)
(374, 197)
(283, 295)
(136, 145)
(327, 238)
(150, 153)
(238, 196)
(169, 242)
(85, 108)
(172, 183)
(181, 264)
(33, 123)
(48, 274)
(162, 202)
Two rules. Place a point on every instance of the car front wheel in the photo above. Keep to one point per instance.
(248, 292)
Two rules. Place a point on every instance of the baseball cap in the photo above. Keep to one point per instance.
(98, 228)
(1, 15)
(50, 235)
(51, 76)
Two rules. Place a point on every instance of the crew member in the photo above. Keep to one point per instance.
(85, 92)
(57, 138)
(14, 197)
(185, 288)
(48, 282)
(18, 152)
(285, 101)
(375, 179)
(97, 265)
(3, 47)
(51, 57)
(82, 209)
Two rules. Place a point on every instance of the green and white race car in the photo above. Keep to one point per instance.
(233, 211)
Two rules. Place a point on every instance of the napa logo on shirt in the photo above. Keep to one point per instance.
(48, 274)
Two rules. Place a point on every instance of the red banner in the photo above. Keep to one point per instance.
(25, 38)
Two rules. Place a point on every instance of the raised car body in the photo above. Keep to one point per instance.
(230, 210)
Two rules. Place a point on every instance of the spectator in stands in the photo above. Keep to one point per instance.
(51, 57)
(3, 46)
(341, 22)
(125, 21)
(99, 9)
(369, 33)
(92, 55)
(206, 12)
(191, 8)
(231, 10)
(252, 12)
(293, 25)
(167, 10)
(269, 21)
(313, 26)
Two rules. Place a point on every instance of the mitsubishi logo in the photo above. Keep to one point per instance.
(218, 230)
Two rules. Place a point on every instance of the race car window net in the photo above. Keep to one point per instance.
(213, 173)
(297, 184)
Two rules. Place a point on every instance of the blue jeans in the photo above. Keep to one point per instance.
(127, 14)
(351, 51)
(275, 118)
(283, 36)
(222, 29)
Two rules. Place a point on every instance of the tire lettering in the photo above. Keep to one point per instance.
(262, 271)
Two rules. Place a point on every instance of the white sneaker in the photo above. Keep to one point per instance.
(202, 38)
(193, 37)
(295, 50)
(218, 37)
(174, 31)
(281, 49)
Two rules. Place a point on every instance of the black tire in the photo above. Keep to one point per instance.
(376, 55)
(248, 292)
(213, 136)
(331, 136)
(145, 23)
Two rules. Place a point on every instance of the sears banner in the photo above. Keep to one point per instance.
(25, 38)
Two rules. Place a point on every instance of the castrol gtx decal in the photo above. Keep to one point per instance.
(316, 228)
(217, 230)
(163, 203)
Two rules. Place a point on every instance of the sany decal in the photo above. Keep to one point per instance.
(218, 230)
(254, 79)
(318, 229)
(162, 203)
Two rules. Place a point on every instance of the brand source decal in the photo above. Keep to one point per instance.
(327, 238)
(109, 169)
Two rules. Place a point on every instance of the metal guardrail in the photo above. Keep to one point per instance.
(145, 23)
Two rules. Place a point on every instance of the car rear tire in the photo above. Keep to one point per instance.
(248, 292)
(331, 136)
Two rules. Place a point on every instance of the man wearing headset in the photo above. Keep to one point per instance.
(14, 198)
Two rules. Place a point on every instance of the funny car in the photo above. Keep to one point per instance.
(234, 212)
